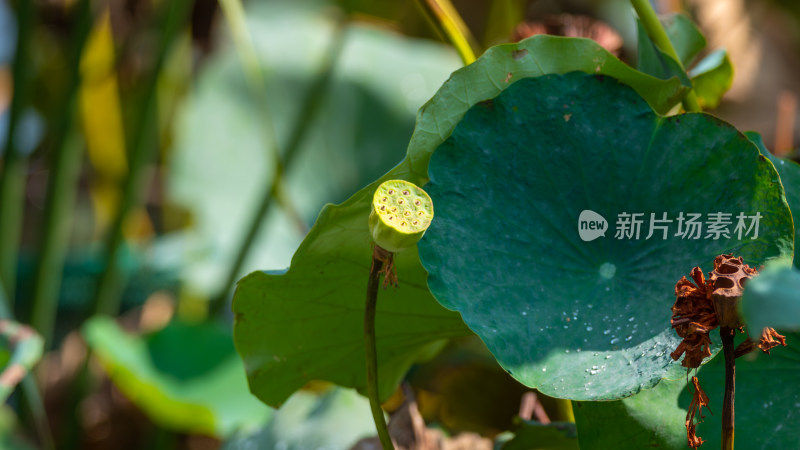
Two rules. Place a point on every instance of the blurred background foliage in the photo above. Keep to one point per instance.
(155, 151)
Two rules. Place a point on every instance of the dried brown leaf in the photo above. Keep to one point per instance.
(769, 339)
(699, 400)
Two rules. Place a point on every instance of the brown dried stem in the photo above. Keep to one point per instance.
(729, 351)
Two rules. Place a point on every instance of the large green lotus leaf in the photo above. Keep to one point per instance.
(185, 377)
(579, 319)
(651, 418)
(767, 398)
(306, 324)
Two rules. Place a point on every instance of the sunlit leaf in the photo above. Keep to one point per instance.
(711, 78)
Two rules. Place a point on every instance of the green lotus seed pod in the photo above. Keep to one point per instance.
(401, 212)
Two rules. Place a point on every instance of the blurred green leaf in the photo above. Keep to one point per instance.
(772, 299)
(711, 78)
(504, 16)
(653, 61)
(685, 37)
(510, 186)
(307, 323)
(446, 394)
(651, 418)
(185, 377)
(366, 113)
(335, 419)
(10, 438)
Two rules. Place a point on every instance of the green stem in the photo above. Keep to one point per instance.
(109, 288)
(658, 35)
(275, 188)
(371, 350)
(61, 191)
(15, 165)
(449, 23)
(729, 351)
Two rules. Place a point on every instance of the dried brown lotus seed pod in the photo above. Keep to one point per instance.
(728, 279)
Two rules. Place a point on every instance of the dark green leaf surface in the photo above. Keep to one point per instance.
(767, 398)
(306, 324)
(651, 418)
(711, 78)
(185, 377)
(575, 319)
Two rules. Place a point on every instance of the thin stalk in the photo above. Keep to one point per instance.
(449, 23)
(729, 351)
(372, 352)
(109, 288)
(61, 191)
(275, 190)
(658, 34)
(15, 165)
